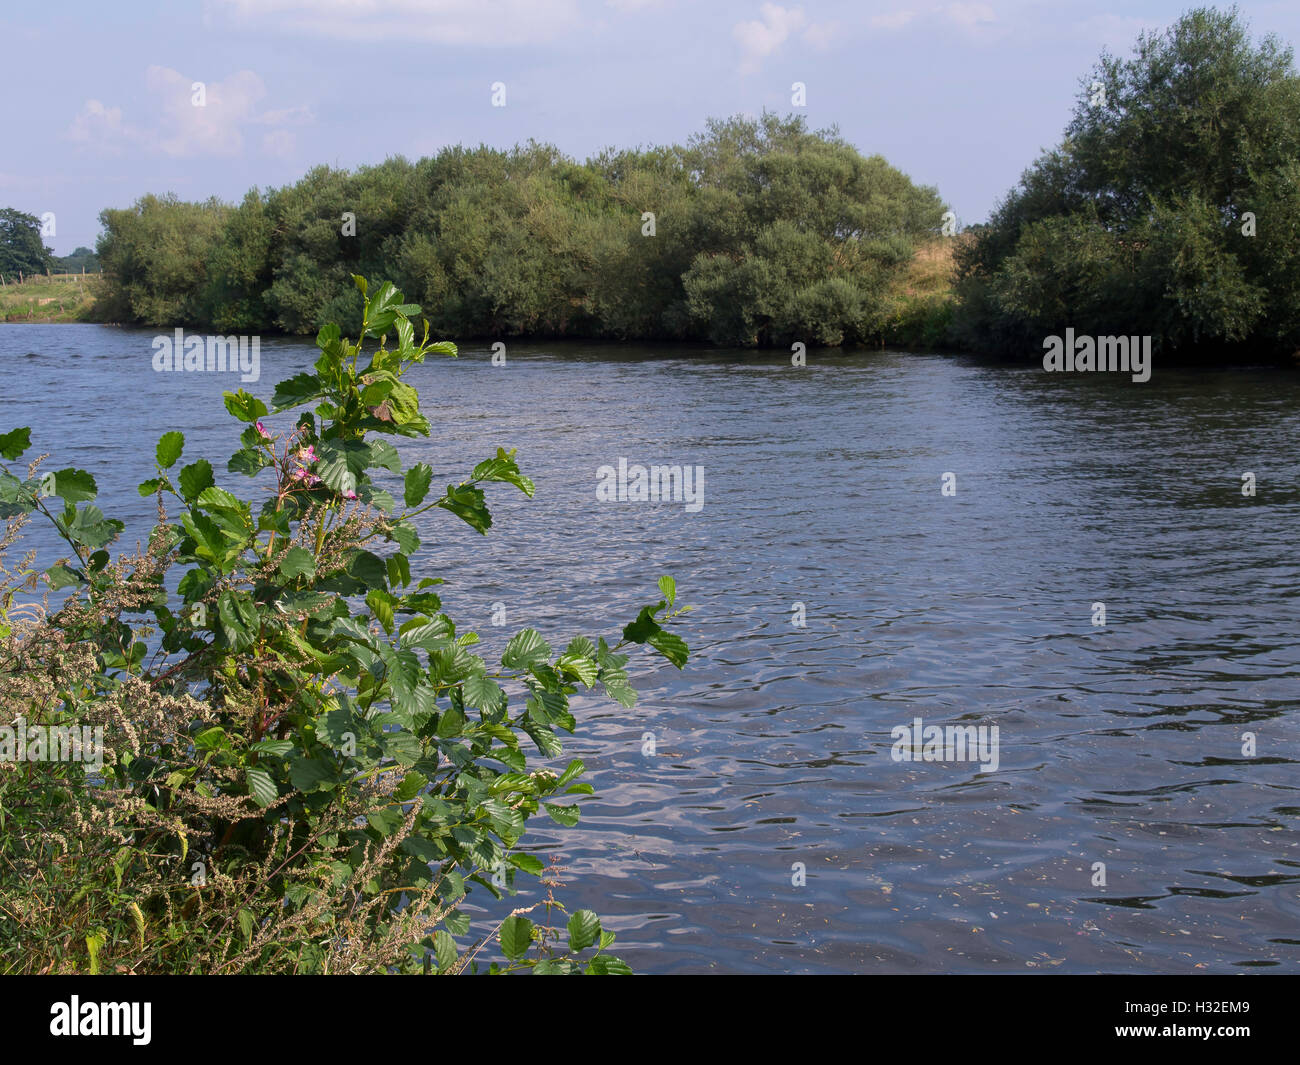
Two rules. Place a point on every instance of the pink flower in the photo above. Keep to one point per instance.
(261, 430)
(307, 454)
(349, 494)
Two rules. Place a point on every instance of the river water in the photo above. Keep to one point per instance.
(1127, 827)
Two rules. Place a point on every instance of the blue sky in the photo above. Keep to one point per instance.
(99, 102)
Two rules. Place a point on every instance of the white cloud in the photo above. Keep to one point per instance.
(212, 129)
(971, 14)
(184, 127)
(759, 38)
(279, 143)
(101, 127)
(459, 22)
(894, 20)
(821, 34)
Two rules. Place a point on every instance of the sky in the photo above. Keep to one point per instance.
(102, 106)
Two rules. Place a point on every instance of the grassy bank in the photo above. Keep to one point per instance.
(919, 304)
(56, 298)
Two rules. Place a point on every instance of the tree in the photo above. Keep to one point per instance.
(21, 248)
(79, 260)
(1172, 207)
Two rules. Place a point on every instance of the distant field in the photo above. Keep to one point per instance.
(52, 298)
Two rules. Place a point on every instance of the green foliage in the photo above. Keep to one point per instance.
(83, 259)
(797, 224)
(21, 248)
(306, 767)
(1138, 221)
(154, 258)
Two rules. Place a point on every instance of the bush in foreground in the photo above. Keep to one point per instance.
(305, 767)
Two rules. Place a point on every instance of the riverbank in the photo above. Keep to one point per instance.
(919, 304)
(50, 299)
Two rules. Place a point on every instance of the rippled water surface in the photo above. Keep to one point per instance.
(1120, 744)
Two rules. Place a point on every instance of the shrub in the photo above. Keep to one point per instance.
(305, 767)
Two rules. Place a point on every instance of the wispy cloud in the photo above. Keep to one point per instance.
(971, 15)
(190, 121)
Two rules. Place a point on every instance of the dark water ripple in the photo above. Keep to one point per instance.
(1120, 745)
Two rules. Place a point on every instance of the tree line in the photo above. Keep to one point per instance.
(24, 253)
(756, 232)
(1171, 209)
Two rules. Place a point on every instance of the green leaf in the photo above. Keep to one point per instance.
(466, 502)
(516, 936)
(15, 442)
(503, 468)
(444, 950)
(671, 646)
(297, 562)
(280, 747)
(169, 449)
(481, 692)
(524, 649)
(239, 621)
(584, 927)
(418, 478)
(621, 692)
(411, 786)
(668, 587)
(574, 770)
(310, 774)
(580, 666)
(529, 863)
(645, 625)
(405, 536)
(71, 485)
(342, 462)
(301, 388)
(369, 569)
(564, 815)
(381, 605)
(243, 406)
(194, 478)
(90, 528)
(249, 461)
(261, 786)
(384, 455)
(206, 534)
(61, 576)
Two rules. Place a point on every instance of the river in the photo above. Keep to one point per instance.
(1126, 826)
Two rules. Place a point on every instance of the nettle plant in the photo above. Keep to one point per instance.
(306, 764)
